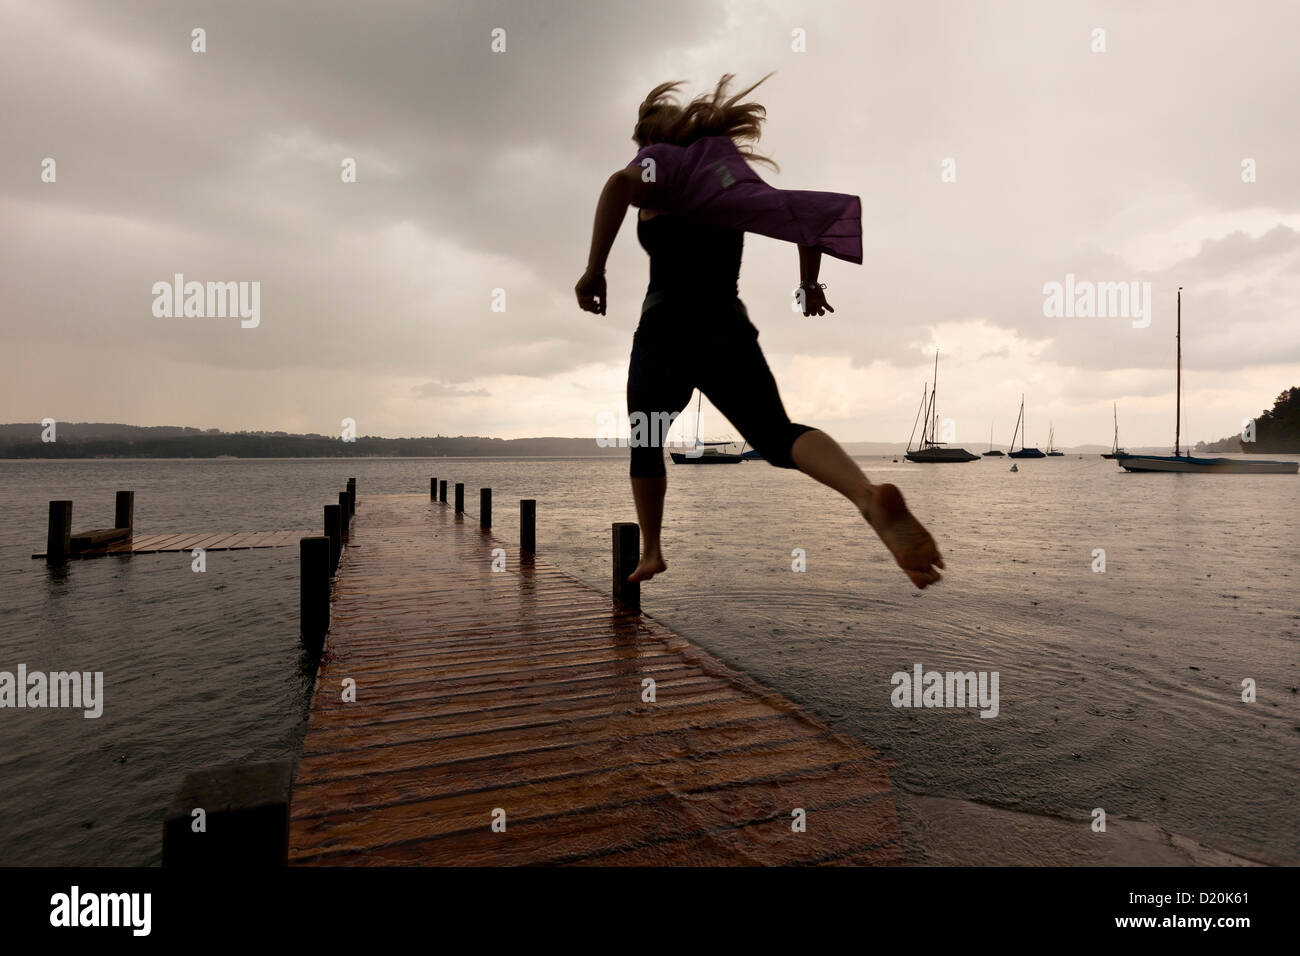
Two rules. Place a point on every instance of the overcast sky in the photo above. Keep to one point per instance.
(479, 170)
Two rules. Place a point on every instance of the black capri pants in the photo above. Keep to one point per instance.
(682, 344)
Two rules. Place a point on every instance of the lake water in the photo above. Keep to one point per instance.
(1119, 690)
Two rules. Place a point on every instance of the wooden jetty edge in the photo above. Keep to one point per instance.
(63, 543)
(175, 543)
(519, 716)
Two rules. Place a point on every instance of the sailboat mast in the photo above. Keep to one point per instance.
(1178, 401)
(927, 406)
(925, 412)
(934, 391)
(934, 417)
(919, 412)
(699, 405)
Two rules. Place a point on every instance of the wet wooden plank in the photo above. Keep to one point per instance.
(221, 542)
(205, 541)
(526, 692)
(165, 543)
(175, 542)
(236, 542)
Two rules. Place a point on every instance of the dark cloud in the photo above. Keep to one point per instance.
(479, 172)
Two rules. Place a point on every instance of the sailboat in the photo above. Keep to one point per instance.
(1024, 452)
(1114, 445)
(929, 450)
(1051, 449)
(704, 452)
(992, 452)
(1188, 463)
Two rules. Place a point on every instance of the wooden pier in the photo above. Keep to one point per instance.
(62, 542)
(519, 716)
(188, 541)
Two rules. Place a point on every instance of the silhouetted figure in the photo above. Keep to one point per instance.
(697, 197)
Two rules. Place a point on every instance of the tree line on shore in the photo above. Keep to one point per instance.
(23, 441)
(1277, 430)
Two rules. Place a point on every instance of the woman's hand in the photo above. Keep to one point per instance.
(591, 292)
(814, 301)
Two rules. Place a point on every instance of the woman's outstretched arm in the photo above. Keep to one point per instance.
(621, 190)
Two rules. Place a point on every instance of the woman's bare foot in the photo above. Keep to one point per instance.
(651, 563)
(904, 536)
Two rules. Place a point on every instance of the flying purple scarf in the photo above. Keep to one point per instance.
(710, 182)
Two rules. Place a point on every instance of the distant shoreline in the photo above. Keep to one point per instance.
(102, 441)
(612, 455)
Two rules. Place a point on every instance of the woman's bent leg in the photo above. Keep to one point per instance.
(819, 456)
(648, 493)
(744, 390)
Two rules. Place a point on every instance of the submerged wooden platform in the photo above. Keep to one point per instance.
(521, 696)
(188, 541)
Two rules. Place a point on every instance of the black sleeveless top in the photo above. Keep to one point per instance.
(691, 258)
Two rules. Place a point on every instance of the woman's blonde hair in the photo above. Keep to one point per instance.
(662, 120)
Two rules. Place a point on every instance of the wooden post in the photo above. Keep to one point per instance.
(125, 517)
(334, 531)
(528, 525)
(314, 590)
(352, 496)
(58, 542)
(344, 498)
(245, 812)
(485, 507)
(460, 497)
(442, 492)
(627, 553)
(433, 489)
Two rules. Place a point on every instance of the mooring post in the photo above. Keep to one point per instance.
(334, 531)
(528, 525)
(485, 507)
(245, 811)
(460, 497)
(627, 553)
(314, 590)
(58, 542)
(125, 510)
(352, 496)
(442, 492)
(344, 498)
(433, 489)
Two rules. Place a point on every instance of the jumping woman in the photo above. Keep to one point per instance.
(697, 197)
